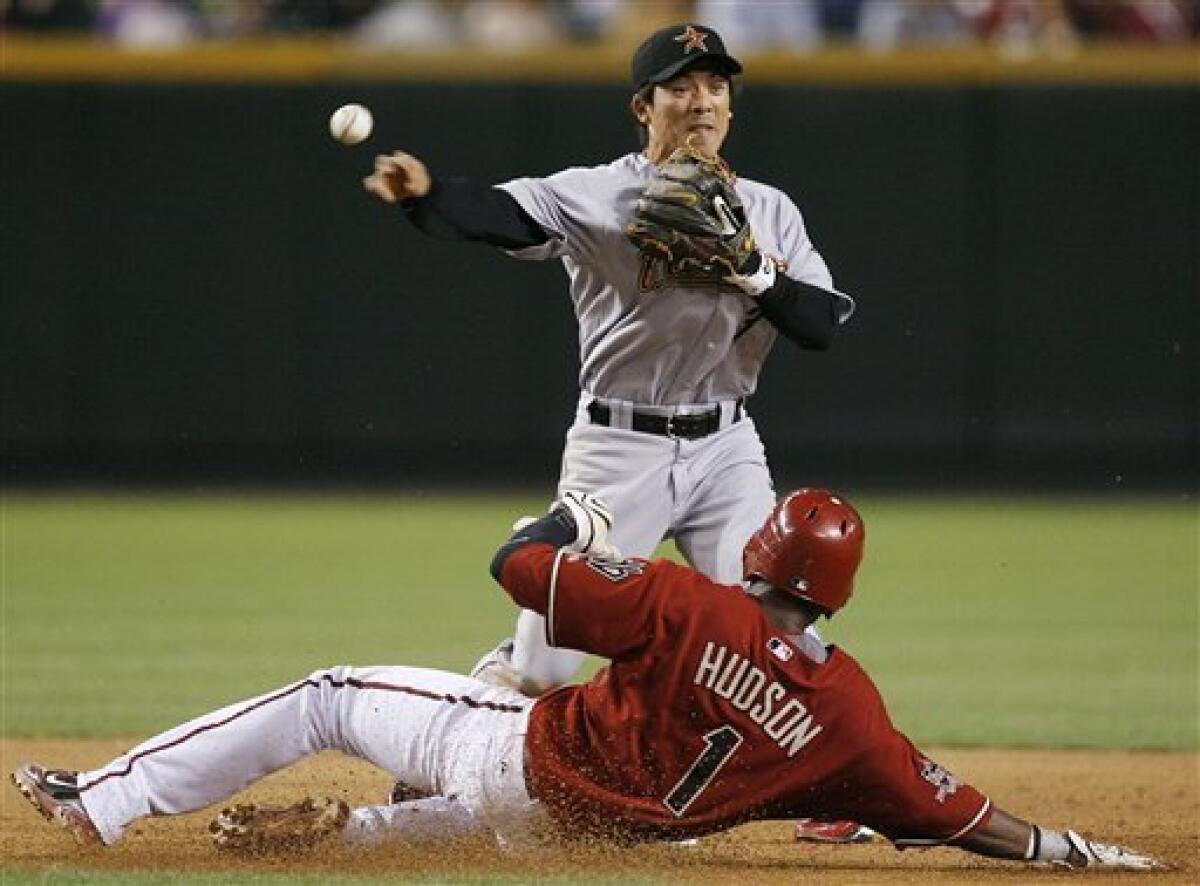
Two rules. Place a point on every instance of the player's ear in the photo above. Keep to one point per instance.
(638, 107)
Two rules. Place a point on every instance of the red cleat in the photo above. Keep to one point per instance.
(813, 830)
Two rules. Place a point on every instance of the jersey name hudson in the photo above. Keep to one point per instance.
(782, 717)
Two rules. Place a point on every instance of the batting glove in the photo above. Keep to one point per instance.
(592, 520)
(1102, 855)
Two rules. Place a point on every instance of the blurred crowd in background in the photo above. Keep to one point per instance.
(519, 25)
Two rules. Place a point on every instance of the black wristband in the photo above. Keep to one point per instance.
(555, 529)
(805, 314)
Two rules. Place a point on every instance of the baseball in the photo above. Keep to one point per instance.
(351, 124)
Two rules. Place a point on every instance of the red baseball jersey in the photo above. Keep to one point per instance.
(708, 716)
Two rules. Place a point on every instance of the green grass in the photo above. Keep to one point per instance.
(1028, 622)
(1035, 622)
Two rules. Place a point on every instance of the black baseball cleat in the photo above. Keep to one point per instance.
(55, 794)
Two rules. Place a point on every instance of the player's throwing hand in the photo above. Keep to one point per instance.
(398, 177)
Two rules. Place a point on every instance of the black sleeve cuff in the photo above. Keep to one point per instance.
(555, 529)
(461, 209)
(804, 314)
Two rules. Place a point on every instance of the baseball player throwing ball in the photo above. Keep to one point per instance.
(682, 276)
(717, 709)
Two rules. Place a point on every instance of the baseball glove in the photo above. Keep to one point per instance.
(689, 215)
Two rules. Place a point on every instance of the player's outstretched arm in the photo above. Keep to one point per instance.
(1006, 836)
(452, 208)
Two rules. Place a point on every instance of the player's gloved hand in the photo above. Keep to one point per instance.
(592, 519)
(690, 217)
(1089, 854)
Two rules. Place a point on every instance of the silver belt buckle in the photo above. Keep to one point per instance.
(671, 427)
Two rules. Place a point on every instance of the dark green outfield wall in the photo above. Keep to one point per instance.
(194, 285)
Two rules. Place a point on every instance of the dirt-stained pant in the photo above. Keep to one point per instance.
(453, 736)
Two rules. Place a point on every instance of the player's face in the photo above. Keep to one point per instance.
(692, 108)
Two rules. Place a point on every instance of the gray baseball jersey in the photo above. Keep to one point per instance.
(662, 345)
(645, 338)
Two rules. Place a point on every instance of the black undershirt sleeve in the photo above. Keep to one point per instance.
(461, 209)
(804, 314)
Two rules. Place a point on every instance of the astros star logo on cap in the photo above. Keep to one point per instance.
(692, 39)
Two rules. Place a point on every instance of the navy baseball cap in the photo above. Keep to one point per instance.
(673, 49)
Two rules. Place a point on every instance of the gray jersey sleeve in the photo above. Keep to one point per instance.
(568, 206)
(804, 263)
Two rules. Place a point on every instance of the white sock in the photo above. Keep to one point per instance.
(537, 661)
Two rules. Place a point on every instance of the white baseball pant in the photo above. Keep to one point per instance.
(454, 736)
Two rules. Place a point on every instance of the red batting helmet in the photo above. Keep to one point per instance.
(810, 547)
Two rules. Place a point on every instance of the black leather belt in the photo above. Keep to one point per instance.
(691, 426)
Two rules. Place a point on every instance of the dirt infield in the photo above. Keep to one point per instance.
(1148, 800)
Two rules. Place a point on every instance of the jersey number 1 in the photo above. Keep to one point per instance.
(719, 746)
